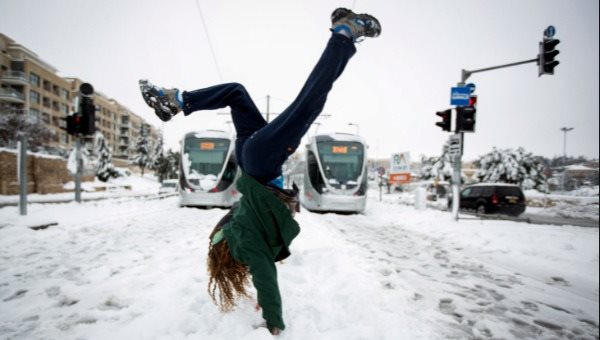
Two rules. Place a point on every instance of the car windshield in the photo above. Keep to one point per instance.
(342, 161)
(168, 185)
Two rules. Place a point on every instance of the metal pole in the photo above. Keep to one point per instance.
(466, 73)
(457, 179)
(268, 104)
(22, 174)
(79, 169)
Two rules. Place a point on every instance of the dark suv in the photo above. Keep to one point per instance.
(490, 198)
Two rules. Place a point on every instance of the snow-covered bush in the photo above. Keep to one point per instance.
(105, 169)
(513, 166)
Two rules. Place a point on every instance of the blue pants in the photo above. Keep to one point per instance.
(261, 148)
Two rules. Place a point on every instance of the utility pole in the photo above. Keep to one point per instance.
(564, 129)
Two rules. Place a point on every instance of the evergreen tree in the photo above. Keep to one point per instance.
(105, 169)
(142, 150)
(158, 154)
(168, 165)
(513, 166)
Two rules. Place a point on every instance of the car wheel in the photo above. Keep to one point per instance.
(481, 209)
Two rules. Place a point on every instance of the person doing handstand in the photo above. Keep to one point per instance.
(258, 230)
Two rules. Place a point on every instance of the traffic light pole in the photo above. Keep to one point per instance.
(79, 169)
(457, 179)
(467, 73)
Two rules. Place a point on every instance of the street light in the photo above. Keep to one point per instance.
(356, 127)
(317, 128)
(565, 130)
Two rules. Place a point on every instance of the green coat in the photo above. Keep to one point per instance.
(258, 235)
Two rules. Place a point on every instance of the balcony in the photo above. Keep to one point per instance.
(14, 77)
(12, 110)
(11, 96)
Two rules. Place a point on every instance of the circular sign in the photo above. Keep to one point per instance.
(550, 31)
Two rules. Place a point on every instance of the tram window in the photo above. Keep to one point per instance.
(206, 155)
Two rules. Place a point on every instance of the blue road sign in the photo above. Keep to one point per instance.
(459, 96)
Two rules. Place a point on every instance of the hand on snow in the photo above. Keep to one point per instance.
(275, 331)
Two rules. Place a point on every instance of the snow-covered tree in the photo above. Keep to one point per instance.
(158, 154)
(38, 134)
(513, 166)
(168, 166)
(141, 157)
(437, 167)
(105, 169)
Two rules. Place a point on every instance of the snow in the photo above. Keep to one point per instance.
(133, 185)
(580, 203)
(30, 153)
(135, 269)
(579, 167)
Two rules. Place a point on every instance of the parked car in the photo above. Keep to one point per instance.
(492, 198)
(168, 186)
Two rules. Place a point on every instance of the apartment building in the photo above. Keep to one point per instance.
(31, 86)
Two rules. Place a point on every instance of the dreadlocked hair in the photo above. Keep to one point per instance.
(228, 275)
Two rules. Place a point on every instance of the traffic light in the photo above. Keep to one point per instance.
(546, 62)
(465, 116)
(87, 109)
(446, 119)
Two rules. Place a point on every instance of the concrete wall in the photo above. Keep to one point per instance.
(45, 175)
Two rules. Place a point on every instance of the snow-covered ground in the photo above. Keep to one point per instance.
(133, 269)
(133, 185)
(581, 203)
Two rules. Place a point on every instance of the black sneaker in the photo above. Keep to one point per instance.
(358, 25)
(163, 101)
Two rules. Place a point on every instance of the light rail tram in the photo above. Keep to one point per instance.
(208, 169)
(333, 176)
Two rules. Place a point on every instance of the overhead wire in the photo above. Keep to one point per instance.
(210, 45)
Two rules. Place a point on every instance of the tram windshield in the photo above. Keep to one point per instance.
(204, 156)
(342, 162)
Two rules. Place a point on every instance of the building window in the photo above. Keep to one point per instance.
(64, 94)
(34, 115)
(34, 97)
(47, 86)
(64, 108)
(34, 79)
(47, 102)
(45, 118)
(64, 138)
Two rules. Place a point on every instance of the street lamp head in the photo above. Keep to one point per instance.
(566, 129)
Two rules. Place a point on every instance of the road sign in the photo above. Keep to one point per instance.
(454, 147)
(472, 87)
(400, 178)
(400, 163)
(459, 95)
(549, 32)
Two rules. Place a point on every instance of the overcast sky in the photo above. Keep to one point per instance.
(391, 88)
